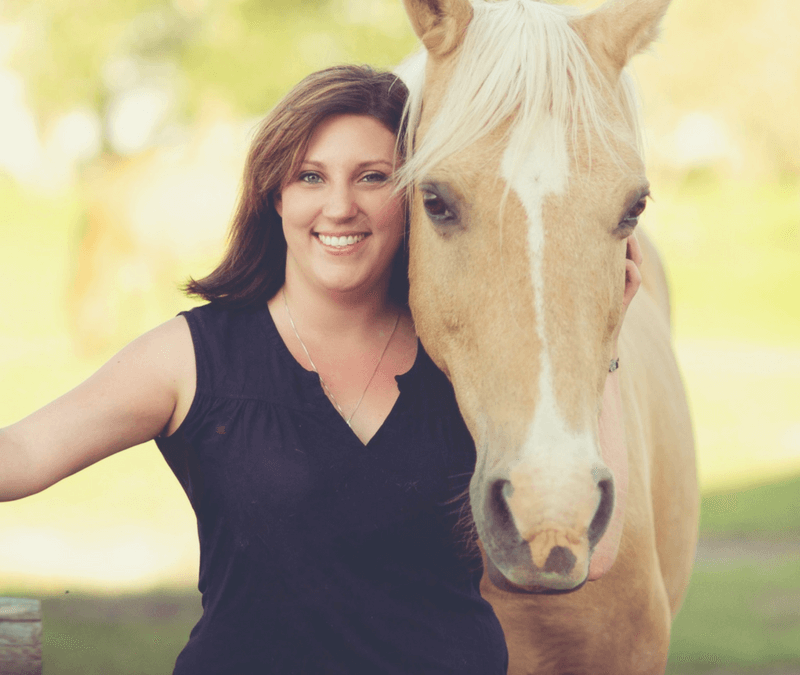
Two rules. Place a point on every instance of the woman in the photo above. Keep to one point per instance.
(321, 449)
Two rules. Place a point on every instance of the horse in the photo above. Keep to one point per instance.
(527, 178)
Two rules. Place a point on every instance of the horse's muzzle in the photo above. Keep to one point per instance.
(540, 540)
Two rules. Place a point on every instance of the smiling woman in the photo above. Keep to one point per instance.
(254, 266)
(320, 448)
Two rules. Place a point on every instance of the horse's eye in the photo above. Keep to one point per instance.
(631, 219)
(435, 206)
(439, 204)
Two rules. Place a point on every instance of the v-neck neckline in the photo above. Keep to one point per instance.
(313, 382)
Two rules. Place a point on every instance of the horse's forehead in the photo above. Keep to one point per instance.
(536, 170)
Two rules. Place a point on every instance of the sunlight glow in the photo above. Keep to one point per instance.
(77, 135)
(135, 116)
(20, 149)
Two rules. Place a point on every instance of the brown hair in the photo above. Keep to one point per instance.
(254, 265)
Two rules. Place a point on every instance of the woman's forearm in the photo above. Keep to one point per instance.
(16, 470)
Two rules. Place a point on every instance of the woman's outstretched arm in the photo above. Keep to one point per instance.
(134, 397)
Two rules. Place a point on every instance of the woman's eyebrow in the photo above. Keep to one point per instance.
(360, 165)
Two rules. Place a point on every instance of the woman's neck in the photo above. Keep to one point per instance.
(329, 313)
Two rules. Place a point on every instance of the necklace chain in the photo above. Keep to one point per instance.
(314, 367)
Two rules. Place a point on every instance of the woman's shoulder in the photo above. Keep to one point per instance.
(238, 352)
(222, 333)
(215, 349)
(220, 320)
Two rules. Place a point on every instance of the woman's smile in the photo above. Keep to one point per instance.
(341, 241)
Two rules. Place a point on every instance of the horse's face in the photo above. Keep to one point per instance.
(518, 272)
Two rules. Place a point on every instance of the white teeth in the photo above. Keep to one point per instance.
(340, 241)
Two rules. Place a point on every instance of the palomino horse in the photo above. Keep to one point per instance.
(528, 182)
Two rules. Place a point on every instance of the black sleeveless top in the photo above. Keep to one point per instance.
(319, 555)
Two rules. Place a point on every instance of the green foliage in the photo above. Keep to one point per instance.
(737, 61)
(246, 53)
(66, 47)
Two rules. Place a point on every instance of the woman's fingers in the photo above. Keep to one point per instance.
(634, 251)
(633, 279)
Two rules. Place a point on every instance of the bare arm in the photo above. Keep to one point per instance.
(144, 390)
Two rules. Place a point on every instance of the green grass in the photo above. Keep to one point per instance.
(138, 634)
(740, 617)
(135, 635)
(769, 509)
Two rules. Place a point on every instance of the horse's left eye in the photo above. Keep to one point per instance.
(632, 217)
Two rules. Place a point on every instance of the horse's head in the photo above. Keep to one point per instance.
(528, 182)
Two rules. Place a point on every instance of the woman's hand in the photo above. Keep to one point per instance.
(612, 430)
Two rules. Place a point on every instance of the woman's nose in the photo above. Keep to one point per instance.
(341, 203)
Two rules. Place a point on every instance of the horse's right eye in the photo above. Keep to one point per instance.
(439, 204)
(435, 206)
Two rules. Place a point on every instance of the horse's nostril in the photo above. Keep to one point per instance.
(560, 561)
(500, 492)
(605, 509)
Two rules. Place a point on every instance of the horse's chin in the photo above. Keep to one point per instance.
(502, 582)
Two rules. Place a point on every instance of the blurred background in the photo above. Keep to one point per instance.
(123, 129)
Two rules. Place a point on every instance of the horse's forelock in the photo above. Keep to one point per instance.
(520, 59)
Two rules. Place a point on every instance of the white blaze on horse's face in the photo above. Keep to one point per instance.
(517, 271)
(553, 452)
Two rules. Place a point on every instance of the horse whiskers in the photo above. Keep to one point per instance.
(464, 531)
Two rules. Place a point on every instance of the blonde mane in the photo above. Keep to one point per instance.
(519, 58)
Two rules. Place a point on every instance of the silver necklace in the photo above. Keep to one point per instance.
(314, 367)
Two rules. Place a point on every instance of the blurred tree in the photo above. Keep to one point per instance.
(244, 52)
(736, 62)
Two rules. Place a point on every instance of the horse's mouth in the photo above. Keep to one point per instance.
(499, 580)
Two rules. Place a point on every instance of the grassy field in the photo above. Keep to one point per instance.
(742, 611)
(740, 615)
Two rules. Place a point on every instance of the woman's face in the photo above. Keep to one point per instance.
(342, 220)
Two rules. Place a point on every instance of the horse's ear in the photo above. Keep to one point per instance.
(440, 24)
(618, 30)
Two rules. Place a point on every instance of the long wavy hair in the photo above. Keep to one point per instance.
(253, 267)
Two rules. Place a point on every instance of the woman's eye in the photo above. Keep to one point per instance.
(310, 177)
(435, 206)
(375, 177)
